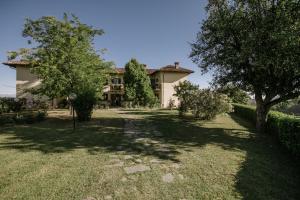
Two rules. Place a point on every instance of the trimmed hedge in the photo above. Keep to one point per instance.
(25, 117)
(285, 127)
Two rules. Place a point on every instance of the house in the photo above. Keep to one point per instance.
(162, 79)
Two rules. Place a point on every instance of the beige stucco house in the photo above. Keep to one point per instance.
(162, 79)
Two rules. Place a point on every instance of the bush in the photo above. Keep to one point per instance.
(63, 103)
(26, 117)
(11, 104)
(6, 119)
(284, 127)
(171, 103)
(205, 104)
(84, 104)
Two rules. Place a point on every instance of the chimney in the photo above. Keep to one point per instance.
(176, 65)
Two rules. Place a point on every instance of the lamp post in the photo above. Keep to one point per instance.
(72, 97)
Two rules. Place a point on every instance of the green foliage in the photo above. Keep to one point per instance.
(253, 44)
(64, 58)
(234, 93)
(24, 117)
(11, 105)
(184, 91)
(205, 104)
(84, 103)
(285, 105)
(171, 103)
(285, 127)
(138, 85)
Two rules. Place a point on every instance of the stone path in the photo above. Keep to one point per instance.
(150, 140)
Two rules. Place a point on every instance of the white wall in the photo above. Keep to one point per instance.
(168, 81)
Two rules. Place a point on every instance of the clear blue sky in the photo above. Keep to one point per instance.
(156, 32)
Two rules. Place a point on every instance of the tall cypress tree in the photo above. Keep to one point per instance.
(137, 84)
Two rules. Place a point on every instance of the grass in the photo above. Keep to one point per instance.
(218, 159)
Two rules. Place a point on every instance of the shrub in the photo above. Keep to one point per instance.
(184, 91)
(41, 115)
(284, 127)
(26, 117)
(63, 103)
(171, 103)
(12, 104)
(6, 119)
(204, 103)
(84, 104)
(207, 104)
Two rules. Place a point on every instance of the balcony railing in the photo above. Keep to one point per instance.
(155, 86)
(116, 87)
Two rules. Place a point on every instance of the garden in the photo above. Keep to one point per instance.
(143, 154)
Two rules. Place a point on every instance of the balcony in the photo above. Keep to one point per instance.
(116, 87)
(155, 86)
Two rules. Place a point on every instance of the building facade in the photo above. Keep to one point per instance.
(162, 79)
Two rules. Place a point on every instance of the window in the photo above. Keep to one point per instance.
(116, 80)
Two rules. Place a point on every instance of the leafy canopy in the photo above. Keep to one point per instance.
(205, 104)
(253, 44)
(63, 57)
(234, 93)
(137, 84)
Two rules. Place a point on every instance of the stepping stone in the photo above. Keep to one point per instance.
(124, 179)
(108, 197)
(168, 178)
(114, 160)
(127, 157)
(175, 165)
(90, 198)
(136, 168)
(155, 161)
(138, 160)
(154, 142)
(180, 176)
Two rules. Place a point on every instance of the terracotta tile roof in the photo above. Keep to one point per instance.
(172, 68)
(168, 68)
(14, 63)
(120, 70)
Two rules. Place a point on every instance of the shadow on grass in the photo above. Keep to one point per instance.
(266, 173)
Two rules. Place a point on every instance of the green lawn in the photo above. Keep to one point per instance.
(181, 159)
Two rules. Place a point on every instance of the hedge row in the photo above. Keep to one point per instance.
(285, 127)
(25, 117)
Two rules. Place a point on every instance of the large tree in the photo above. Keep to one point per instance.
(63, 57)
(137, 84)
(255, 45)
(234, 93)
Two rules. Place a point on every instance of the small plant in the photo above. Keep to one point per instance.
(84, 104)
(171, 103)
(205, 104)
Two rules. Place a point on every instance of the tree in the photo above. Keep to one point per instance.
(64, 58)
(234, 93)
(253, 44)
(205, 104)
(137, 84)
(184, 91)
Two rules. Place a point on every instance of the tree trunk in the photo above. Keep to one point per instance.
(261, 116)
